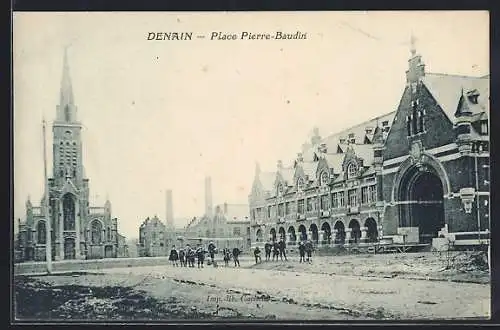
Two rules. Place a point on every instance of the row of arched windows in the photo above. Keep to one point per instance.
(96, 235)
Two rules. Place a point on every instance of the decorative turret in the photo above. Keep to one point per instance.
(463, 123)
(416, 68)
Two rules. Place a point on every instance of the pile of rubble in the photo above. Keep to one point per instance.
(471, 262)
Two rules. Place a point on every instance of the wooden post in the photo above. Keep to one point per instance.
(48, 240)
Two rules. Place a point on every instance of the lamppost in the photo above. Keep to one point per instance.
(48, 232)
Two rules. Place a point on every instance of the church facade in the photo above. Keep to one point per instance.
(78, 230)
(409, 176)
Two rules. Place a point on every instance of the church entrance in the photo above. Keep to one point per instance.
(421, 202)
(108, 251)
(69, 248)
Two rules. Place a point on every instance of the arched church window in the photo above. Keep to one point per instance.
(351, 170)
(109, 234)
(69, 212)
(408, 125)
(324, 178)
(41, 232)
(96, 230)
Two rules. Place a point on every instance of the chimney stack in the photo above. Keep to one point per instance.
(170, 209)
(225, 207)
(208, 197)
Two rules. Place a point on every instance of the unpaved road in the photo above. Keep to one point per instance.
(288, 290)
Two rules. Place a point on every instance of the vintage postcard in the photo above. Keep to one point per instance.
(246, 166)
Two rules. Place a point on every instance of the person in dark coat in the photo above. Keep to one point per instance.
(302, 251)
(190, 256)
(268, 248)
(200, 254)
(236, 255)
(256, 253)
(309, 250)
(227, 256)
(276, 251)
(212, 250)
(182, 257)
(282, 249)
(174, 256)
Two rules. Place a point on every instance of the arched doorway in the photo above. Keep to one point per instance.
(69, 248)
(272, 233)
(282, 233)
(371, 230)
(96, 232)
(69, 212)
(303, 233)
(355, 231)
(258, 235)
(314, 233)
(41, 232)
(108, 251)
(340, 232)
(421, 196)
(292, 238)
(327, 233)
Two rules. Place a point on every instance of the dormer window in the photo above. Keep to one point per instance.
(351, 170)
(342, 140)
(472, 96)
(385, 123)
(324, 178)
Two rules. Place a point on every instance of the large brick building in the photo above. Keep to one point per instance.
(78, 230)
(411, 175)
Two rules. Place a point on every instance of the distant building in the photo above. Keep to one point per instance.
(228, 225)
(152, 238)
(79, 230)
(411, 175)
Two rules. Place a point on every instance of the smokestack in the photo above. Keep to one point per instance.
(170, 210)
(208, 197)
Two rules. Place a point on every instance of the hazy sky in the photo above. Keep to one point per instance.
(162, 115)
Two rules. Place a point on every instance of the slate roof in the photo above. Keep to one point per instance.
(267, 180)
(335, 161)
(364, 151)
(332, 141)
(287, 174)
(310, 169)
(447, 90)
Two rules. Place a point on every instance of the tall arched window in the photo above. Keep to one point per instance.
(351, 170)
(324, 178)
(109, 234)
(69, 212)
(41, 232)
(96, 232)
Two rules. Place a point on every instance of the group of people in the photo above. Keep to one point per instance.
(278, 250)
(186, 257)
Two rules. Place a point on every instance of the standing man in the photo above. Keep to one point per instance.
(282, 249)
(200, 254)
(182, 257)
(302, 251)
(236, 256)
(256, 253)
(309, 250)
(267, 248)
(276, 250)
(212, 249)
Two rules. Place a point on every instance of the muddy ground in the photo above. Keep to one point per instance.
(356, 287)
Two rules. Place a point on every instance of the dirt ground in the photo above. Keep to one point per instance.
(361, 287)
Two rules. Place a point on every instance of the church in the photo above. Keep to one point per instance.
(417, 174)
(78, 230)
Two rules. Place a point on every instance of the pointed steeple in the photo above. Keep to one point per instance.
(257, 169)
(66, 109)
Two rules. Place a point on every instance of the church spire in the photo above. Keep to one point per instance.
(66, 109)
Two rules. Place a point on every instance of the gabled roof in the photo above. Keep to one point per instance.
(69, 187)
(267, 180)
(309, 169)
(447, 90)
(364, 151)
(287, 174)
(333, 141)
(335, 162)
